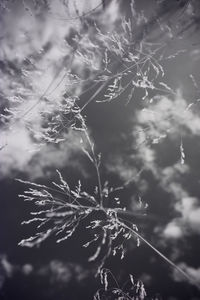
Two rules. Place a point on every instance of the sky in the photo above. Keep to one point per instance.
(56, 56)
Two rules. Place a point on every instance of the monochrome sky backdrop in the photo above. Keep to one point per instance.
(151, 145)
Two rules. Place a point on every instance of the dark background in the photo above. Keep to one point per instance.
(62, 270)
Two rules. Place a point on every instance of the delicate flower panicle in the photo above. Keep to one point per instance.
(113, 59)
(57, 120)
(62, 211)
(63, 214)
(131, 290)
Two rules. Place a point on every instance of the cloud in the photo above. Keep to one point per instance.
(6, 266)
(56, 278)
(27, 269)
(188, 222)
(60, 272)
(36, 71)
(156, 129)
(173, 230)
(55, 272)
(156, 133)
(21, 155)
(65, 154)
(171, 178)
(16, 154)
(192, 273)
(170, 117)
(9, 270)
(69, 10)
(190, 211)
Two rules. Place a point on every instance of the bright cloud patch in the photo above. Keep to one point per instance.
(188, 222)
(21, 154)
(193, 274)
(15, 154)
(172, 230)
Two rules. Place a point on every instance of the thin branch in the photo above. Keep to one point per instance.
(184, 274)
(96, 163)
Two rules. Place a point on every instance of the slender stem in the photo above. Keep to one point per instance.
(95, 161)
(99, 183)
(94, 95)
(159, 253)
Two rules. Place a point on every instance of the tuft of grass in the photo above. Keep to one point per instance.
(117, 65)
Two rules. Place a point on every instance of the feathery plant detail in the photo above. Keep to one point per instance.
(117, 65)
